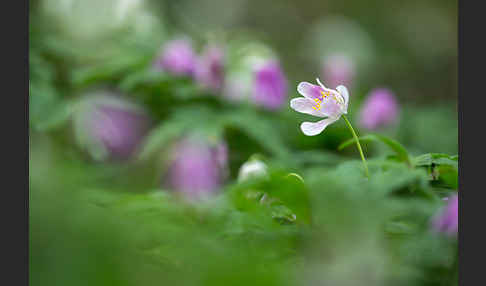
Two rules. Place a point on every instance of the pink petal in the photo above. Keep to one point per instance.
(309, 90)
(331, 108)
(307, 106)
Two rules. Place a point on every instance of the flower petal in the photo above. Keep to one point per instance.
(320, 83)
(309, 90)
(307, 106)
(314, 128)
(331, 108)
(344, 92)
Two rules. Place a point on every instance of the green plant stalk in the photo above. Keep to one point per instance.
(357, 144)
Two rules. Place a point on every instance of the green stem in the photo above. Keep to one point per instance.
(357, 144)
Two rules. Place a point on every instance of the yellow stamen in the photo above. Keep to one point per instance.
(318, 104)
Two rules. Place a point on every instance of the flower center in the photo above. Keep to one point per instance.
(327, 94)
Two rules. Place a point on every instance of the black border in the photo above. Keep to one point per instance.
(15, 141)
(471, 174)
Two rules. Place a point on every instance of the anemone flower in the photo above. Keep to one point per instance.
(326, 103)
(321, 102)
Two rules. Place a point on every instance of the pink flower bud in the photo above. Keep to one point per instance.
(379, 109)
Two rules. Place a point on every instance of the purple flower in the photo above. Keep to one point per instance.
(379, 109)
(447, 220)
(209, 70)
(270, 85)
(198, 168)
(338, 70)
(108, 126)
(177, 57)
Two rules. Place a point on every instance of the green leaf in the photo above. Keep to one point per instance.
(147, 76)
(59, 115)
(400, 151)
(259, 128)
(197, 119)
(159, 137)
(109, 71)
(47, 109)
(442, 168)
(435, 158)
(286, 196)
(448, 175)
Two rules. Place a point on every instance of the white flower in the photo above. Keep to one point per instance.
(252, 169)
(322, 102)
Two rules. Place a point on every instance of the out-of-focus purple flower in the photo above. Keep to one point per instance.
(198, 168)
(270, 85)
(108, 126)
(379, 109)
(447, 220)
(220, 152)
(177, 57)
(209, 70)
(338, 70)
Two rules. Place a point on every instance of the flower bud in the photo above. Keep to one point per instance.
(380, 109)
(338, 70)
(198, 168)
(447, 220)
(252, 169)
(256, 77)
(209, 70)
(108, 126)
(270, 85)
(177, 57)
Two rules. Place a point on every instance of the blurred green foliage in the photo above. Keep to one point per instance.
(101, 223)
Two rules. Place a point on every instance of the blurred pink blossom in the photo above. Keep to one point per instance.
(209, 71)
(198, 168)
(379, 109)
(108, 126)
(337, 70)
(270, 85)
(447, 220)
(177, 57)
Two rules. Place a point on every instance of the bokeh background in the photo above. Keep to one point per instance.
(161, 139)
